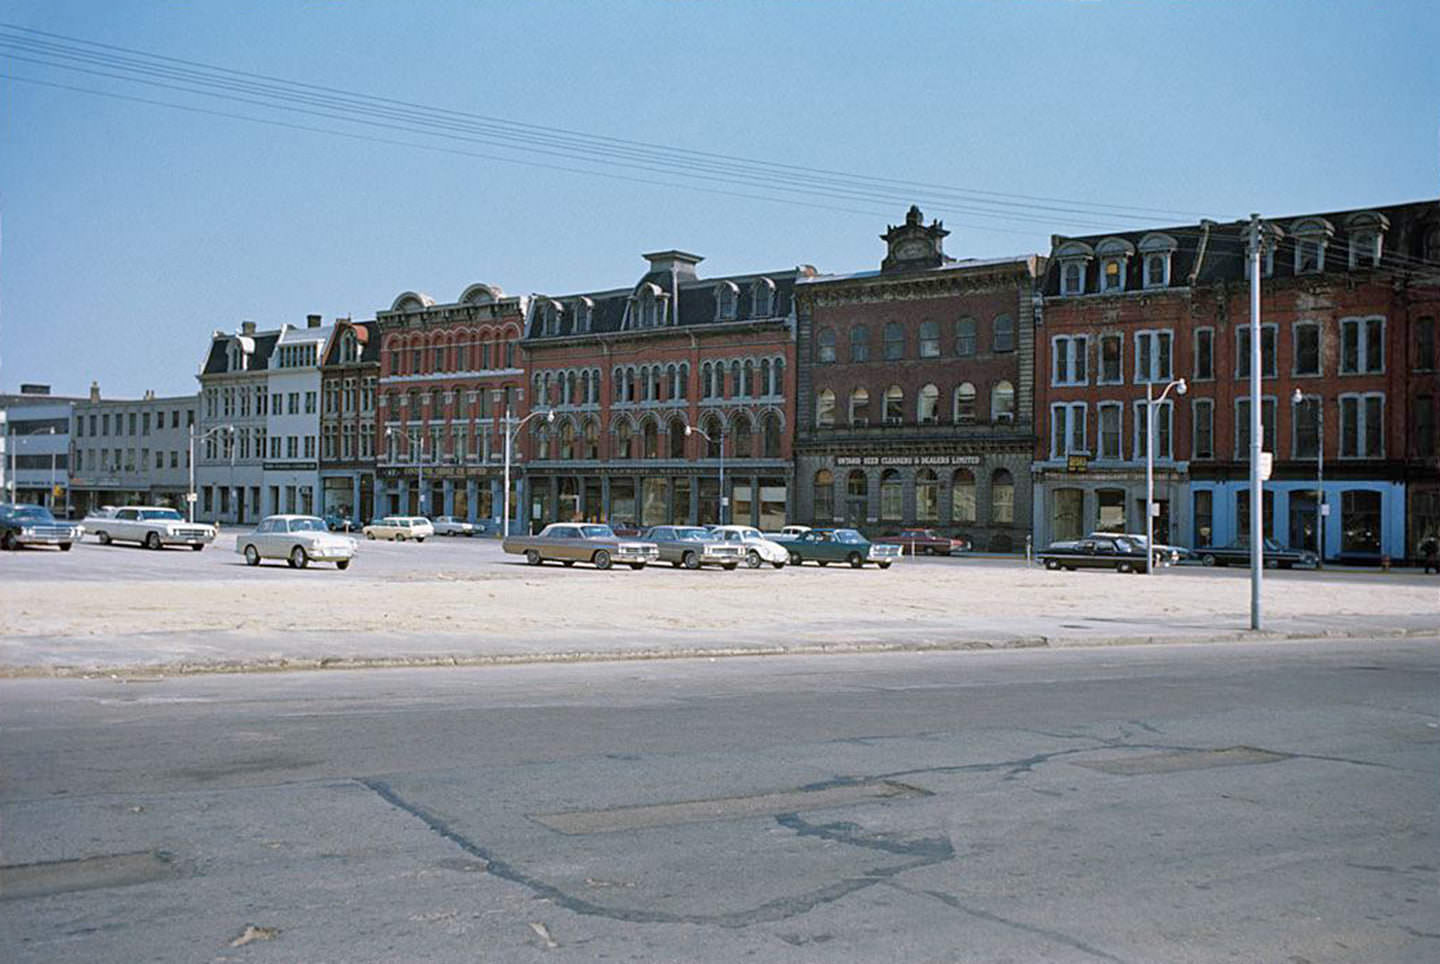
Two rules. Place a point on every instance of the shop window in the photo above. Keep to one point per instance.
(824, 499)
(1110, 510)
(927, 497)
(1002, 498)
(962, 497)
(1360, 514)
(1204, 515)
(891, 496)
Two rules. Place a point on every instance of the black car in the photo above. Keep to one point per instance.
(1237, 553)
(1095, 552)
(33, 525)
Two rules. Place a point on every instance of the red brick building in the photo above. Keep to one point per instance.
(626, 370)
(916, 381)
(1346, 320)
(447, 373)
(349, 393)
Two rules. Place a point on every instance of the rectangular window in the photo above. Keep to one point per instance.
(1242, 427)
(1204, 517)
(1112, 348)
(1424, 422)
(1067, 430)
(1203, 435)
(292, 446)
(1068, 360)
(1360, 520)
(1307, 428)
(1267, 512)
(1362, 345)
(1267, 351)
(1152, 356)
(1110, 428)
(1164, 421)
(277, 404)
(145, 423)
(294, 403)
(1204, 354)
(1362, 426)
(1307, 348)
(309, 446)
(1424, 351)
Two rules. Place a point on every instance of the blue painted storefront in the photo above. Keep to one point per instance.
(1225, 527)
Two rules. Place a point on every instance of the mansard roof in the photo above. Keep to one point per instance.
(260, 345)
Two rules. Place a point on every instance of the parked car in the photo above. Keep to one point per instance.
(758, 549)
(448, 525)
(298, 539)
(33, 525)
(338, 522)
(693, 547)
(572, 542)
(151, 526)
(840, 545)
(1102, 551)
(787, 533)
(400, 528)
(1165, 555)
(625, 529)
(926, 542)
(1274, 555)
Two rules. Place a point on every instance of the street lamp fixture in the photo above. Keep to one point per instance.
(510, 433)
(692, 430)
(1322, 510)
(1150, 405)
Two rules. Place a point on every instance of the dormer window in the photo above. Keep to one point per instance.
(762, 298)
(648, 306)
(1367, 233)
(1114, 255)
(727, 301)
(580, 311)
(349, 348)
(1073, 256)
(1311, 237)
(550, 316)
(1156, 252)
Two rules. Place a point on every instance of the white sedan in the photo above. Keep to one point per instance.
(448, 525)
(399, 528)
(758, 549)
(153, 526)
(298, 539)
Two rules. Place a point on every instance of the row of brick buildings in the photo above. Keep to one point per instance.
(1003, 399)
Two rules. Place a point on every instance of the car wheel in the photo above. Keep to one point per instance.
(1270, 563)
(929, 551)
(778, 565)
(637, 566)
(342, 564)
(1052, 565)
(419, 538)
(196, 548)
(8, 543)
(795, 559)
(752, 559)
(602, 559)
(103, 538)
(731, 566)
(65, 546)
(883, 565)
(568, 563)
(855, 561)
(152, 541)
(823, 562)
(370, 536)
(1123, 567)
(1207, 560)
(252, 556)
(532, 557)
(690, 561)
(298, 558)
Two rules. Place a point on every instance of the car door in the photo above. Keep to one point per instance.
(126, 526)
(263, 538)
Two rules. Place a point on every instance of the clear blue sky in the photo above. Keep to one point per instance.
(131, 231)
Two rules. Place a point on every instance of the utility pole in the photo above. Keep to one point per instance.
(1257, 535)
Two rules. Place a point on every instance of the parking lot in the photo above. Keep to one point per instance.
(463, 599)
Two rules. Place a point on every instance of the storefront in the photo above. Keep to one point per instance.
(755, 496)
(1079, 499)
(1363, 521)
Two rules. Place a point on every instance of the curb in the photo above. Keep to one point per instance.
(157, 671)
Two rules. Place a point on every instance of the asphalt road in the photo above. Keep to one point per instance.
(1271, 802)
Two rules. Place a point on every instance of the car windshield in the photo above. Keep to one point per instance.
(848, 535)
(168, 514)
(307, 524)
(31, 513)
(597, 532)
(692, 535)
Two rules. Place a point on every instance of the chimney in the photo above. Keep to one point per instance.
(149, 394)
(247, 327)
(312, 321)
(94, 391)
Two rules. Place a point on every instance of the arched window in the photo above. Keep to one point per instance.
(567, 440)
(747, 383)
(962, 496)
(894, 405)
(859, 407)
(714, 439)
(927, 410)
(570, 385)
(744, 441)
(728, 299)
(859, 343)
(677, 438)
(736, 386)
(1002, 402)
(824, 497)
(770, 425)
(857, 485)
(764, 377)
(1004, 334)
(894, 341)
(591, 447)
(964, 404)
(892, 502)
(682, 390)
(927, 496)
(617, 385)
(762, 298)
(672, 382)
(1072, 282)
(651, 439)
(825, 409)
(542, 443)
(1002, 498)
(585, 387)
(929, 339)
(777, 372)
(705, 371)
(825, 346)
(623, 433)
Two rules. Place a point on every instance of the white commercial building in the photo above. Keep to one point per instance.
(36, 429)
(292, 461)
(130, 451)
(232, 421)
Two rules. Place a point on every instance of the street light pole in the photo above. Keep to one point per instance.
(1298, 398)
(509, 439)
(1257, 533)
(194, 437)
(416, 438)
(1150, 406)
(689, 429)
